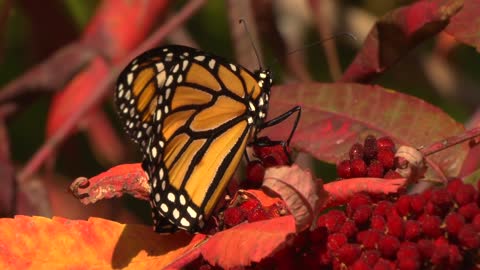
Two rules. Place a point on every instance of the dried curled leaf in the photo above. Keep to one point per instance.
(122, 179)
(301, 193)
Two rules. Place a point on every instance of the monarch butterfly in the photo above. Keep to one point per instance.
(192, 114)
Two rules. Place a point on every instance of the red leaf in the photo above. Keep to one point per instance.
(58, 243)
(247, 243)
(341, 191)
(464, 25)
(301, 193)
(396, 33)
(335, 116)
(123, 179)
(72, 97)
(120, 26)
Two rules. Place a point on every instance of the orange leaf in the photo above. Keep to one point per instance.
(341, 191)
(248, 242)
(122, 179)
(299, 191)
(42, 243)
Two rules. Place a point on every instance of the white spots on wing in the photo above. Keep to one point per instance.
(164, 207)
(192, 212)
(185, 222)
(128, 95)
(176, 68)
(182, 200)
(134, 67)
(129, 78)
(211, 63)
(169, 80)
(164, 184)
(199, 58)
(179, 78)
(184, 64)
(250, 120)
(157, 197)
(261, 102)
(171, 197)
(165, 109)
(176, 213)
(167, 93)
(233, 67)
(154, 152)
(251, 106)
(159, 115)
(160, 67)
(263, 75)
(160, 174)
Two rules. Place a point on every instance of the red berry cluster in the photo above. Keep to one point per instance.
(269, 153)
(250, 211)
(375, 158)
(439, 229)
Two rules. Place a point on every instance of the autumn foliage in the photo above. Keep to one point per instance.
(405, 190)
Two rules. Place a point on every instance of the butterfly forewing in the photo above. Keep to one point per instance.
(192, 114)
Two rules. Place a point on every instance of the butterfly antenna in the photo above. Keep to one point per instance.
(350, 35)
(242, 21)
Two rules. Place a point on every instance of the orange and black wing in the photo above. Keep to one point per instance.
(198, 122)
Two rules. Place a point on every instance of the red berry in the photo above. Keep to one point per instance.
(432, 209)
(388, 245)
(385, 143)
(360, 265)
(344, 169)
(349, 229)
(403, 205)
(333, 220)
(408, 256)
(413, 230)
(359, 168)
(250, 205)
(454, 222)
(392, 175)
(395, 226)
(369, 238)
(378, 223)
(233, 216)
(362, 214)
(370, 256)
(382, 208)
(426, 247)
(356, 201)
(417, 204)
(440, 255)
(453, 185)
(442, 199)
(468, 237)
(255, 173)
(386, 158)
(370, 147)
(465, 194)
(348, 253)
(336, 240)
(257, 215)
(469, 211)
(375, 169)
(476, 222)
(454, 258)
(383, 264)
(356, 151)
(431, 225)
